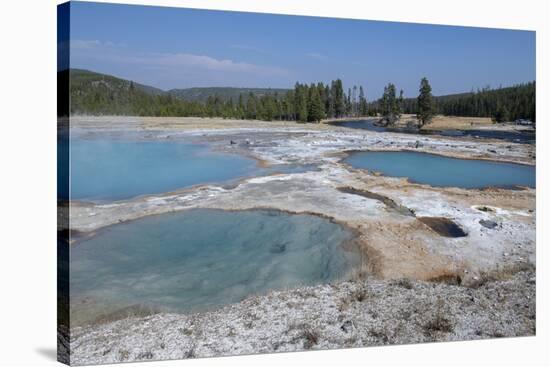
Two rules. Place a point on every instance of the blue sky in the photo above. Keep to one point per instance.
(180, 48)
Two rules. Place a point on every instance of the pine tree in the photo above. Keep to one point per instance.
(278, 106)
(355, 105)
(315, 104)
(348, 103)
(501, 114)
(389, 105)
(251, 107)
(268, 108)
(241, 109)
(210, 106)
(301, 98)
(339, 99)
(425, 103)
(363, 106)
(329, 102)
(400, 103)
(290, 112)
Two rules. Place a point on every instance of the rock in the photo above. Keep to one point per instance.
(484, 209)
(346, 326)
(488, 223)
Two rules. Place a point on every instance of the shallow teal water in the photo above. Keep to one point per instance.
(203, 258)
(437, 170)
(114, 169)
(522, 137)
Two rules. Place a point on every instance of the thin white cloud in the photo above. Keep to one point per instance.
(203, 62)
(108, 51)
(85, 44)
(93, 44)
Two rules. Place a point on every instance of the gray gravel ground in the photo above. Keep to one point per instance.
(349, 314)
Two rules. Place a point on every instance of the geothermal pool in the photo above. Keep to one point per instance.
(436, 170)
(202, 259)
(115, 169)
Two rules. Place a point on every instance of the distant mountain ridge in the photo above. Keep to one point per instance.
(80, 78)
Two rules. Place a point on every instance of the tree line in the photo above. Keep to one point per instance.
(391, 106)
(305, 103)
(97, 94)
(501, 104)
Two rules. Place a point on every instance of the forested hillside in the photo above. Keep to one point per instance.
(503, 104)
(224, 93)
(100, 94)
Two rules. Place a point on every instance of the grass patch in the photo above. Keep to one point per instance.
(404, 283)
(439, 324)
(307, 333)
(500, 274)
(311, 337)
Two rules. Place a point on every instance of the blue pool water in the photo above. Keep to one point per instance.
(115, 169)
(367, 124)
(524, 137)
(204, 258)
(63, 165)
(437, 170)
